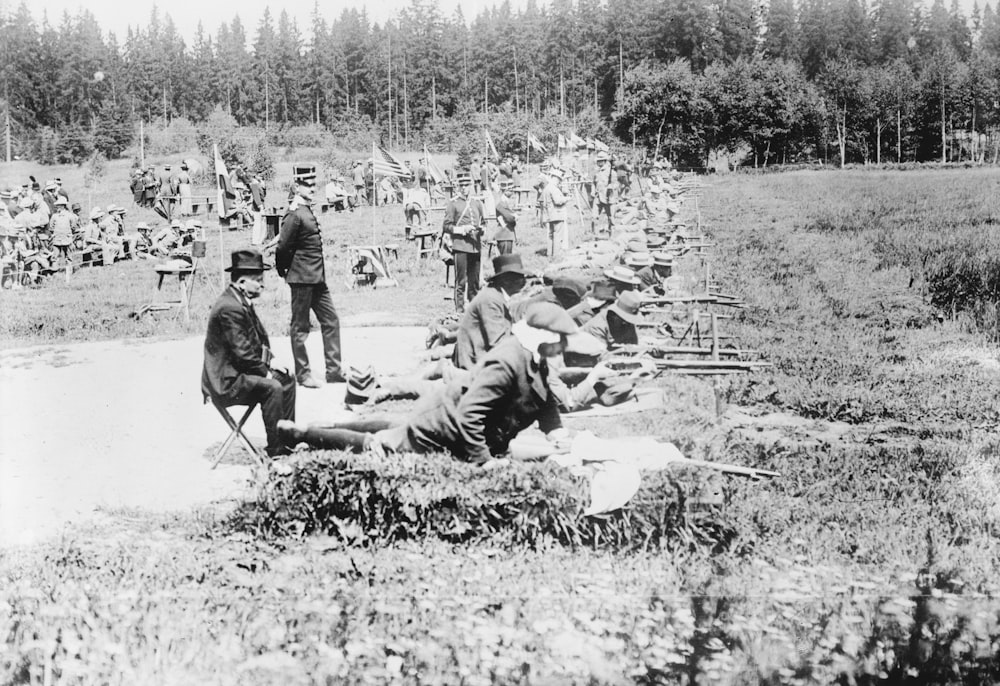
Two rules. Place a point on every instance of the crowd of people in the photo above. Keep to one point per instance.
(520, 352)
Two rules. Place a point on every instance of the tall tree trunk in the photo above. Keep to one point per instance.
(878, 141)
(944, 137)
(899, 137)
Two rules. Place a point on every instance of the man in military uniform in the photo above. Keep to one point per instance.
(463, 222)
(299, 259)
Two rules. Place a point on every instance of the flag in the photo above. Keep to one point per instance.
(600, 147)
(576, 142)
(489, 144)
(562, 142)
(433, 169)
(224, 190)
(384, 164)
(535, 143)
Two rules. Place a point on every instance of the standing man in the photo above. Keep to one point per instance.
(506, 219)
(299, 259)
(239, 367)
(604, 189)
(63, 226)
(554, 213)
(358, 173)
(463, 221)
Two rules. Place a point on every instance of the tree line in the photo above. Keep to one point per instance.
(781, 81)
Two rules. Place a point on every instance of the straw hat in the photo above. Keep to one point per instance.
(622, 275)
(627, 307)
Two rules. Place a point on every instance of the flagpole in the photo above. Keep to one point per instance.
(374, 193)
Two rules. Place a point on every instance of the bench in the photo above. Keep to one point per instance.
(518, 192)
(203, 201)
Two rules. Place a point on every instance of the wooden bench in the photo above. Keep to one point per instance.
(518, 192)
(203, 201)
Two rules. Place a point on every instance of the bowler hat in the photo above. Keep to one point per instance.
(246, 260)
(622, 275)
(361, 385)
(654, 240)
(627, 307)
(508, 264)
(549, 317)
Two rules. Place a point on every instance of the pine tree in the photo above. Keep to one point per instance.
(782, 40)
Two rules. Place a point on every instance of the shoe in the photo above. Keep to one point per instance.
(289, 432)
(280, 451)
(310, 382)
(336, 378)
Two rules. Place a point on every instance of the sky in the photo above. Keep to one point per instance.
(118, 15)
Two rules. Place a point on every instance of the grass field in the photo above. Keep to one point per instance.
(874, 558)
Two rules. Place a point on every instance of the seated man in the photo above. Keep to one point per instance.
(239, 367)
(475, 416)
(488, 319)
(336, 194)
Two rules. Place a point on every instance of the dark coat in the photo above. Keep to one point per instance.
(236, 346)
(508, 220)
(299, 256)
(479, 414)
(461, 212)
(485, 323)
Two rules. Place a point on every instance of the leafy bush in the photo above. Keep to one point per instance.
(178, 137)
(372, 501)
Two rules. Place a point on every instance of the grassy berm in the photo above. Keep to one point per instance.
(874, 558)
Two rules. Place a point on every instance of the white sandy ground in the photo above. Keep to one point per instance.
(120, 424)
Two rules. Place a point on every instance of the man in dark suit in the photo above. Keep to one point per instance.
(238, 367)
(488, 318)
(463, 221)
(299, 259)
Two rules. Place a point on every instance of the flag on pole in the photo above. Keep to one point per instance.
(600, 147)
(576, 142)
(433, 169)
(562, 142)
(224, 191)
(535, 143)
(385, 164)
(489, 144)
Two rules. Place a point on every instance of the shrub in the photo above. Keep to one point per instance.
(371, 501)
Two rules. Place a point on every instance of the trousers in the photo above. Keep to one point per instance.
(466, 278)
(558, 239)
(276, 397)
(315, 298)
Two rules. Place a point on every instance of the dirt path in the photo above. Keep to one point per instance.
(92, 426)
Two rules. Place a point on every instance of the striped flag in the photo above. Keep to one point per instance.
(433, 169)
(224, 191)
(535, 143)
(384, 164)
(489, 144)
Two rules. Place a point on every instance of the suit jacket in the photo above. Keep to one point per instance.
(461, 212)
(507, 219)
(299, 256)
(485, 323)
(478, 414)
(236, 346)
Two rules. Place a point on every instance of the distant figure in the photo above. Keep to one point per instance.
(184, 190)
(463, 222)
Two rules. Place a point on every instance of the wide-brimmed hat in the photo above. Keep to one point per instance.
(662, 259)
(627, 307)
(246, 260)
(62, 201)
(639, 259)
(622, 275)
(655, 240)
(556, 172)
(142, 226)
(76, 206)
(361, 385)
(602, 157)
(96, 213)
(550, 317)
(636, 245)
(567, 284)
(508, 264)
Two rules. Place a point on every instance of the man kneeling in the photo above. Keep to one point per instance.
(475, 416)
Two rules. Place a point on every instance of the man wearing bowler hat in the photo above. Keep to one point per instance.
(239, 367)
(488, 319)
(463, 221)
(299, 259)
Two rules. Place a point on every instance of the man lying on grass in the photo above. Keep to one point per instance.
(475, 416)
